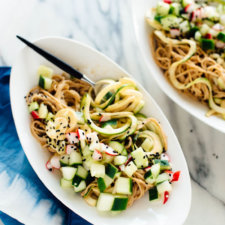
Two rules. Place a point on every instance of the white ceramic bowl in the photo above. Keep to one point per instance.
(96, 66)
(142, 32)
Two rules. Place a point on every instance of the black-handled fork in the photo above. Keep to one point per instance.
(58, 62)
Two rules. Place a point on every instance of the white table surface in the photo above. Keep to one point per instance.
(107, 26)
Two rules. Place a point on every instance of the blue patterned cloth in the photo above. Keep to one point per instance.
(23, 196)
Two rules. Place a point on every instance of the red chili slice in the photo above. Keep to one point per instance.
(166, 197)
(35, 115)
(176, 176)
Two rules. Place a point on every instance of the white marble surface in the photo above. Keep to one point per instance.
(107, 26)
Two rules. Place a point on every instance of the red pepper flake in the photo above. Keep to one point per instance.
(35, 115)
(176, 176)
(147, 168)
(168, 171)
(166, 197)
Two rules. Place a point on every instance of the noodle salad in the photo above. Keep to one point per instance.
(189, 44)
(104, 147)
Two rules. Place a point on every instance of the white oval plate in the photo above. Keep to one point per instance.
(96, 66)
(142, 32)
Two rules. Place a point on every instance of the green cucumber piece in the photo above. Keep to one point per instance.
(130, 169)
(119, 160)
(45, 71)
(124, 152)
(68, 173)
(120, 203)
(140, 158)
(162, 8)
(153, 193)
(221, 36)
(104, 182)
(80, 118)
(207, 44)
(140, 115)
(75, 159)
(147, 144)
(184, 26)
(81, 172)
(149, 178)
(45, 82)
(124, 185)
(155, 170)
(158, 18)
(105, 202)
(34, 106)
(97, 170)
(162, 177)
(111, 170)
(193, 30)
(65, 183)
(76, 181)
(164, 164)
(64, 160)
(43, 111)
(170, 21)
(164, 186)
(80, 187)
(116, 146)
(50, 116)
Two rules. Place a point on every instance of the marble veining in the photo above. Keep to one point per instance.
(107, 26)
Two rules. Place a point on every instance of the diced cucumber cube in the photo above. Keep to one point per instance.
(76, 181)
(164, 186)
(75, 159)
(130, 169)
(45, 82)
(111, 170)
(104, 182)
(68, 173)
(81, 172)
(149, 178)
(164, 164)
(80, 187)
(124, 185)
(43, 111)
(101, 184)
(50, 116)
(140, 158)
(175, 9)
(198, 36)
(170, 21)
(153, 193)
(80, 118)
(204, 29)
(207, 44)
(162, 177)
(107, 158)
(34, 106)
(120, 203)
(64, 160)
(155, 170)
(89, 179)
(105, 202)
(124, 152)
(147, 144)
(120, 159)
(86, 151)
(65, 183)
(116, 146)
(162, 8)
(97, 170)
(184, 26)
(221, 36)
(45, 71)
